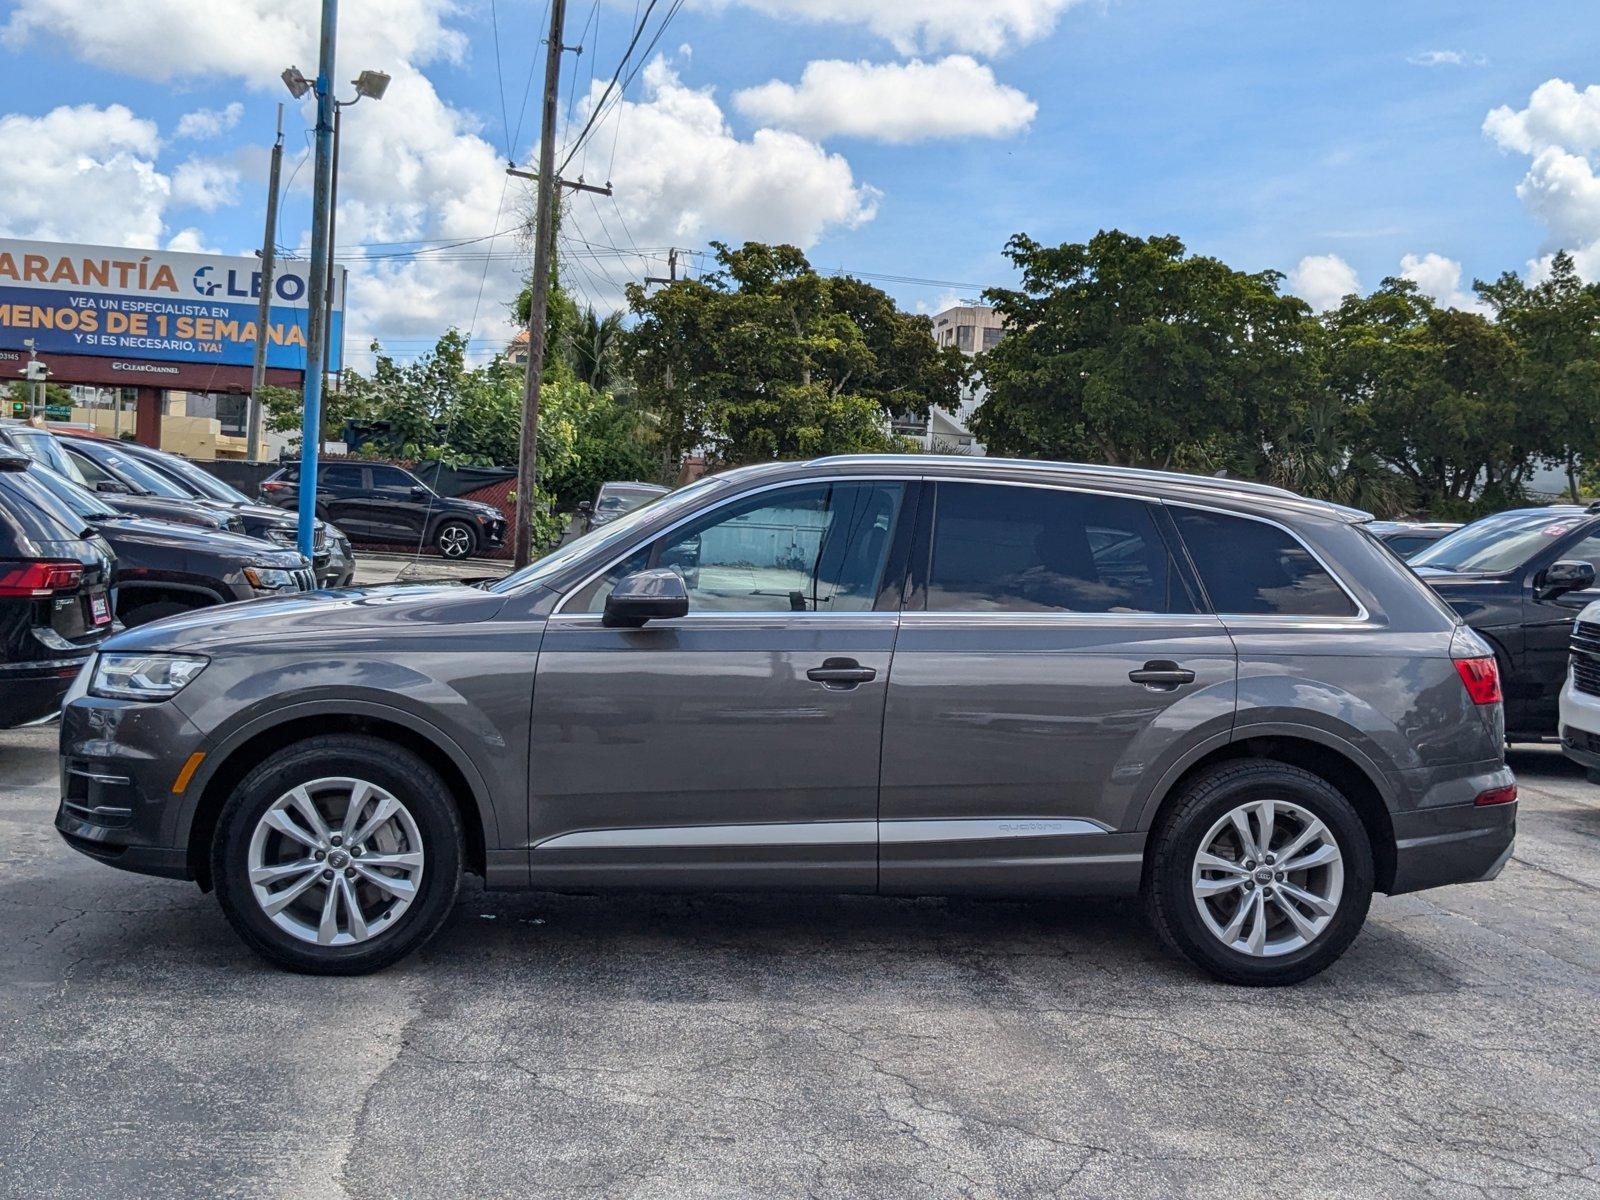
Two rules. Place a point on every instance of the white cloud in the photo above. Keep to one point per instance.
(681, 177)
(1323, 280)
(82, 174)
(892, 102)
(191, 241)
(1559, 131)
(985, 27)
(1447, 58)
(209, 122)
(1440, 277)
(205, 184)
(1558, 116)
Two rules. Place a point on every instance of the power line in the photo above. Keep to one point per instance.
(594, 113)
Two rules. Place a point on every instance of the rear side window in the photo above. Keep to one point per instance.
(1250, 568)
(339, 475)
(1025, 549)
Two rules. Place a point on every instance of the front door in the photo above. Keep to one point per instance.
(1047, 648)
(737, 746)
(397, 511)
(1547, 635)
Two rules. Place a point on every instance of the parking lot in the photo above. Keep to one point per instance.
(733, 1046)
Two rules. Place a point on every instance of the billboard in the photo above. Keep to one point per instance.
(155, 306)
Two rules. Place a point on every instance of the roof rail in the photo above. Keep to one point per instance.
(1030, 464)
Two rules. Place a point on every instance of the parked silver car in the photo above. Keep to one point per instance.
(901, 675)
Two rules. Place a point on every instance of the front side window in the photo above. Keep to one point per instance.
(1250, 568)
(390, 477)
(1024, 549)
(812, 548)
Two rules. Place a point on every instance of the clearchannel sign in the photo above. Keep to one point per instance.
(154, 305)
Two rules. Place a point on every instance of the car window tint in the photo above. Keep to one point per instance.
(811, 548)
(392, 477)
(1252, 568)
(1588, 550)
(90, 470)
(1404, 545)
(1025, 549)
(341, 475)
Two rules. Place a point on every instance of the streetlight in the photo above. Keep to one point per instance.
(369, 85)
(297, 83)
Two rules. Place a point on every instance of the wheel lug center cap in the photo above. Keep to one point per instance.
(338, 860)
(1262, 874)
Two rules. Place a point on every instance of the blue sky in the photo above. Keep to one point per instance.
(1329, 141)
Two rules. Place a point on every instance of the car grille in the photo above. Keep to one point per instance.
(307, 580)
(235, 525)
(1586, 658)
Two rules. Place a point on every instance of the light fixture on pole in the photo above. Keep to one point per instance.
(369, 85)
(297, 83)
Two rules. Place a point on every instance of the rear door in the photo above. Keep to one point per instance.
(1052, 655)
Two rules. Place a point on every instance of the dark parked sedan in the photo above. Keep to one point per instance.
(1520, 578)
(376, 502)
(1409, 538)
(904, 675)
(55, 594)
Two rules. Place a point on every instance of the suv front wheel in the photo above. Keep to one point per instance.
(455, 539)
(338, 855)
(1261, 874)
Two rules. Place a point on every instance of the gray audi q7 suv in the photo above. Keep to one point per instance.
(903, 675)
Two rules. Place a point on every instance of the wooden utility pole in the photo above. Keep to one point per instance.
(543, 250)
(269, 240)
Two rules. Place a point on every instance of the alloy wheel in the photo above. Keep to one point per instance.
(335, 861)
(454, 541)
(1267, 878)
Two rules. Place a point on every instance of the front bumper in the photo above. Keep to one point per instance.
(494, 532)
(119, 763)
(1580, 725)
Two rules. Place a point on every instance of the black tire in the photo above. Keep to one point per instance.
(153, 610)
(1170, 901)
(455, 539)
(391, 767)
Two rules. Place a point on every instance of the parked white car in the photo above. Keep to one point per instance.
(1580, 695)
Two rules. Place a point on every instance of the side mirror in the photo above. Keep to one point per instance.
(1565, 576)
(585, 507)
(658, 594)
(420, 494)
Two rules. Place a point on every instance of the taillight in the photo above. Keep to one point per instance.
(1499, 795)
(1481, 677)
(38, 578)
(273, 486)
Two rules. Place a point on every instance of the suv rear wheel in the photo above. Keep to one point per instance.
(338, 855)
(1261, 874)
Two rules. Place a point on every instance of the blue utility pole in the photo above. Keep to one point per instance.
(317, 284)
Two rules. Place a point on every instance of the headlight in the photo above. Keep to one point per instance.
(283, 537)
(143, 676)
(271, 579)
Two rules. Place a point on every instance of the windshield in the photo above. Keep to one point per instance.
(44, 449)
(599, 538)
(127, 469)
(1495, 545)
(82, 503)
(197, 479)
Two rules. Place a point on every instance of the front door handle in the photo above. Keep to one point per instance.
(1161, 674)
(841, 673)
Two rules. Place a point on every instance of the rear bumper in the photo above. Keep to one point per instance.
(1461, 843)
(32, 690)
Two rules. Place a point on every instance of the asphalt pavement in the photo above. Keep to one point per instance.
(726, 1046)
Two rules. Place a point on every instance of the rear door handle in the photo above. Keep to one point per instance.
(841, 673)
(1161, 673)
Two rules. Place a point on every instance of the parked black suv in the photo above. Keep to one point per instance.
(333, 561)
(1520, 578)
(55, 594)
(143, 494)
(165, 568)
(376, 502)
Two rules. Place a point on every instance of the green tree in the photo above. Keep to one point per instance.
(1131, 351)
(1555, 325)
(765, 358)
(1430, 392)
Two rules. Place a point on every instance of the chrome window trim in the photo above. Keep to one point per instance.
(804, 481)
(1362, 615)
